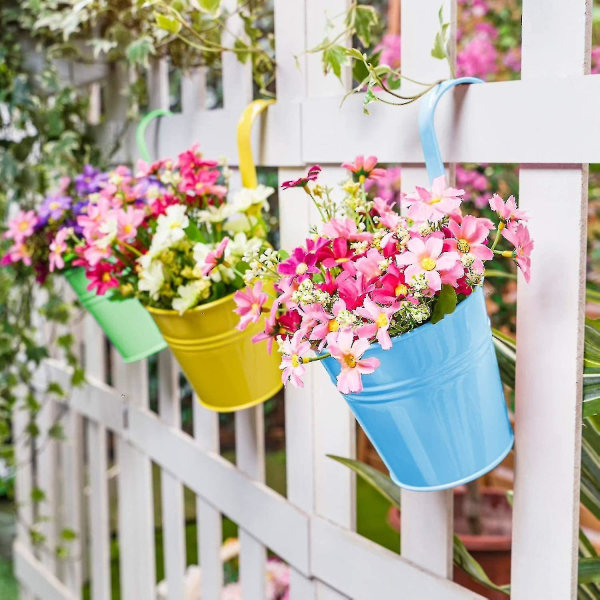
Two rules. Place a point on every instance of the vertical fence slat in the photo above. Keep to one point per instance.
(237, 77)
(72, 483)
(173, 519)
(99, 528)
(556, 40)
(23, 485)
(299, 409)
(426, 517)
(250, 459)
(47, 481)
(136, 509)
(210, 528)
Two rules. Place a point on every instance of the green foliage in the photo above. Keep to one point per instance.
(188, 34)
(445, 304)
(44, 136)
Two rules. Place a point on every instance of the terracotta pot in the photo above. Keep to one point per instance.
(491, 549)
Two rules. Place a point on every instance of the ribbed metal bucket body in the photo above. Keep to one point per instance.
(435, 409)
(125, 322)
(226, 369)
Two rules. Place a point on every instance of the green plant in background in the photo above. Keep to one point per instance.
(43, 136)
(187, 33)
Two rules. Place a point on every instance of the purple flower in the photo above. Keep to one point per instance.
(90, 181)
(54, 207)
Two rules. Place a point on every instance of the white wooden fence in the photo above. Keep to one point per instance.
(550, 123)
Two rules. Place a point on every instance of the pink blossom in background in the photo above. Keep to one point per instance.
(478, 58)
(475, 184)
(512, 59)
(390, 50)
(18, 252)
(595, 60)
(21, 226)
(386, 187)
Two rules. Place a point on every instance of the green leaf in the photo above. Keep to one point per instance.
(139, 51)
(193, 233)
(439, 46)
(55, 388)
(391, 492)
(167, 23)
(209, 6)
(377, 480)
(68, 535)
(283, 254)
(365, 21)
(37, 495)
(333, 59)
(589, 570)
(445, 304)
(57, 432)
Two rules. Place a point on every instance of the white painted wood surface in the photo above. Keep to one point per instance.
(427, 523)
(530, 121)
(173, 516)
(97, 457)
(209, 520)
(548, 384)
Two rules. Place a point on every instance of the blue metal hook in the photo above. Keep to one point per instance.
(429, 141)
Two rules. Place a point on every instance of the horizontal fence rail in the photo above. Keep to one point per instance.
(548, 122)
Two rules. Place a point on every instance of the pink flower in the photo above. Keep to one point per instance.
(18, 252)
(127, 223)
(294, 349)
(426, 258)
(518, 236)
(348, 353)
(249, 304)
(300, 264)
(364, 167)
(271, 327)
(390, 50)
(93, 254)
(91, 221)
(507, 212)
(57, 249)
(320, 321)
(478, 58)
(312, 175)
(338, 254)
(433, 205)
(345, 228)
(101, 278)
(381, 318)
(393, 286)
(470, 236)
(370, 264)
(21, 227)
(213, 258)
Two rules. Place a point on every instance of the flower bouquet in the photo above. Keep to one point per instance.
(50, 240)
(389, 297)
(179, 245)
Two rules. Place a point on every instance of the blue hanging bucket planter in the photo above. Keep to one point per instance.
(435, 409)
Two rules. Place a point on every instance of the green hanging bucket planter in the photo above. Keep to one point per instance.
(126, 323)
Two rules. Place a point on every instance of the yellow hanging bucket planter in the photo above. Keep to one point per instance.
(227, 371)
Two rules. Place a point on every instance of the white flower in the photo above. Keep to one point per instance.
(200, 252)
(240, 246)
(216, 214)
(109, 229)
(239, 222)
(190, 294)
(151, 276)
(246, 197)
(169, 228)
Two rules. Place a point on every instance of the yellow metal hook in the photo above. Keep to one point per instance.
(244, 131)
